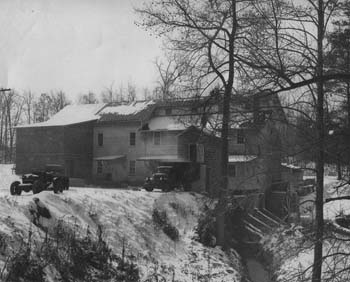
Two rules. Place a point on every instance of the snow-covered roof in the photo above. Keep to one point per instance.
(290, 166)
(71, 114)
(130, 109)
(137, 110)
(164, 158)
(109, 158)
(241, 158)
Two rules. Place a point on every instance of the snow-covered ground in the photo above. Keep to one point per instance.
(126, 216)
(293, 250)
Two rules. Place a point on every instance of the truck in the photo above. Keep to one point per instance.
(52, 177)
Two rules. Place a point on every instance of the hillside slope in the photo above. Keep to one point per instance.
(126, 218)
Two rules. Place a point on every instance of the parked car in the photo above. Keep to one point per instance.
(51, 178)
(166, 178)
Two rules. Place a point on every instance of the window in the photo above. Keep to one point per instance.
(132, 139)
(156, 138)
(232, 170)
(240, 136)
(100, 139)
(132, 167)
(193, 152)
(168, 111)
(194, 110)
(99, 166)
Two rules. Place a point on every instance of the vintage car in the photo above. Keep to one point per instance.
(51, 178)
(166, 178)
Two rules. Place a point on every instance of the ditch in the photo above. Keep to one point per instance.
(256, 267)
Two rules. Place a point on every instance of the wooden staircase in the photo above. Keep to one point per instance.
(260, 222)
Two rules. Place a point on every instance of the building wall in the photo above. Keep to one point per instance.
(210, 165)
(69, 146)
(167, 146)
(250, 176)
(116, 141)
(38, 146)
(78, 150)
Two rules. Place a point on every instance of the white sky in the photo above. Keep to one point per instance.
(74, 45)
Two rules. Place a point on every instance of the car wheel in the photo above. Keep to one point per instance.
(14, 187)
(57, 186)
(149, 189)
(19, 191)
(37, 187)
(166, 188)
(66, 184)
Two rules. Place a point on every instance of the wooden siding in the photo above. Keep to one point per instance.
(37, 146)
(70, 146)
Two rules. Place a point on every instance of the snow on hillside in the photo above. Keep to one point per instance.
(126, 216)
(293, 250)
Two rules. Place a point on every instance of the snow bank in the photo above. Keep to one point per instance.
(126, 216)
(292, 251)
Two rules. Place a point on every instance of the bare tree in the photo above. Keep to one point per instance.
(89, 98)
(29, 102)
(169, 73)
(131, 92)
(58, 101)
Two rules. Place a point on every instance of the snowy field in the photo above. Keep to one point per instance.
(126, 216)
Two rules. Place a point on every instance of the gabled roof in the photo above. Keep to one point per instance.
(71, 114)
(135, 111)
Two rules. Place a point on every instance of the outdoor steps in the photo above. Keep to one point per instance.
(253, 234)
(266, 219)
(260, 222)
(272, 216)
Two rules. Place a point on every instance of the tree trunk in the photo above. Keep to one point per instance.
(221, 208)
(317, 263)
(339, 168)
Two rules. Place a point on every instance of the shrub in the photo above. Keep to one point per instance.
(24, 268)
(76, 257)
(206, 228)
(160, 218)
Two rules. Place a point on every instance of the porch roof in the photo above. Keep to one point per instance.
(241, 158)
(164, 158)
(109, 158)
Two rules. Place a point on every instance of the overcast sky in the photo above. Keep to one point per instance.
(73, 45)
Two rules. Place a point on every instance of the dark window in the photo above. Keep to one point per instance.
(156, 138)
(100, 139)
(132, 167)
(168, 111)
(194, 110)
(132, 138)
(240, 136)
(232, 170)
(99, 166)
(193, 152)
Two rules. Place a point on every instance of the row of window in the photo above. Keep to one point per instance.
(132, 138)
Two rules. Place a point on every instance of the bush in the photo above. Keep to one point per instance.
(24, 268)
(206, 228)
(160, 218)
(76, 257)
